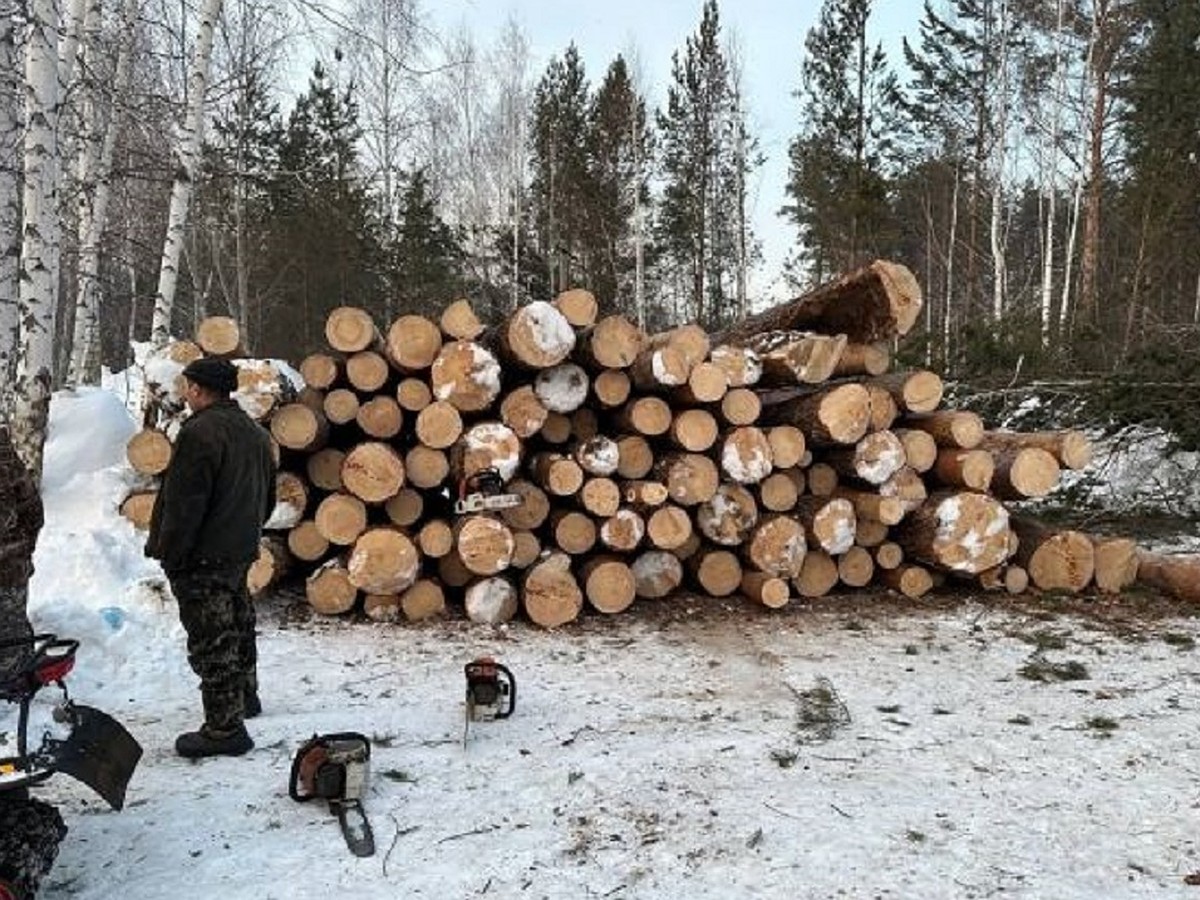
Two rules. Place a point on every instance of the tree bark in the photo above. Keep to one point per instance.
(835, 415)
(37, 297)
(95, 177)
(1072, 449)
(1178, 576)
(21, 520)
(10, 196)
(875, 303)
(187, 153)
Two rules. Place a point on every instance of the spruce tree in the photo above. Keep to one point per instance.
(1160, 124)
(691, 134)
(841, 160)
(324, 237)
(426, 260)
(619, 153)
(561, 187)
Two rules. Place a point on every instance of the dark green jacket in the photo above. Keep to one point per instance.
(217, 493)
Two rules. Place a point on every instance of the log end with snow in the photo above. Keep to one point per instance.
(957, 531)
(537, 336)
(466, 375)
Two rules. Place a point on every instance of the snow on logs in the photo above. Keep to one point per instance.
(778, 459)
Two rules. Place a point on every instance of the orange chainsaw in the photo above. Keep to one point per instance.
(491, 692)
(483, 491)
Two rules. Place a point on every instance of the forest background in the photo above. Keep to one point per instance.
(1036, 163)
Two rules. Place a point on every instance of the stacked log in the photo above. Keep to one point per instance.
(779, 460)
(268, 395)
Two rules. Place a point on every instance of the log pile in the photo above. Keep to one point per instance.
(777, 460)
(264, 388)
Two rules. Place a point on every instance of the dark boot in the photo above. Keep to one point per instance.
(251, 705)
(212, 742)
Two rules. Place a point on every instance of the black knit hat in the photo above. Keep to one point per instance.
(219, 375)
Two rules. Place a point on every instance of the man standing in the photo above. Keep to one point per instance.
(207, 521)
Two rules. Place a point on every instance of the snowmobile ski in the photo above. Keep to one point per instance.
(99, 752)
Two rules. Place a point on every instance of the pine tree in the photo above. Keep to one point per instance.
(241, 163)
(561, 188)
(324, 234)
(958, 96)
(691, 134)
(619, 149)
(426, 258)
(1161, 128)
(843, 156)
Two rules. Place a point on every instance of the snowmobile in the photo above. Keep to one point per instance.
(84, 743)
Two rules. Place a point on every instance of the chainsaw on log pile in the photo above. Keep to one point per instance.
(334, 767)
(483, 491)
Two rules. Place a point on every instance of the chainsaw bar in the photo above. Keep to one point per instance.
(355, 828)
(482, 503)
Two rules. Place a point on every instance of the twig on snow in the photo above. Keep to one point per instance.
(395, 837)
(473, 831)
(775, 809)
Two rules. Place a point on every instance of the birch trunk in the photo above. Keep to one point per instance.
(187, 152)
(1085, 87)
(1051, 182)
(95, 179)
(71, 41)
(639, 229)
(999, 260)
(40, 223)
(10, 196)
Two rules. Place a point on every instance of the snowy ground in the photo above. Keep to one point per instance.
(666, 760)
(680, 751)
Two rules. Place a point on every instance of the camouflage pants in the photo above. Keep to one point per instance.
(218, 616)
(30, 832)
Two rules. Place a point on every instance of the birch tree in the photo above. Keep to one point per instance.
(187, 153)
(1050, 183)
(241, 157)
(10, 191)
(743, 158)
(94, 188)
(510, 63)
(37, 291)
(1000, 166)
(380, 58)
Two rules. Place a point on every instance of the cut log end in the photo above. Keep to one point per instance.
(550, 594)
(350, 329)
(218, 335)
(609, 584)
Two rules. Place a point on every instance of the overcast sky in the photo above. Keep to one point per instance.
(771, 34)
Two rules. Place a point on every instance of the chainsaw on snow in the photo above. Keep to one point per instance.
(483, 491)
(334, 767)
(491, 692)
